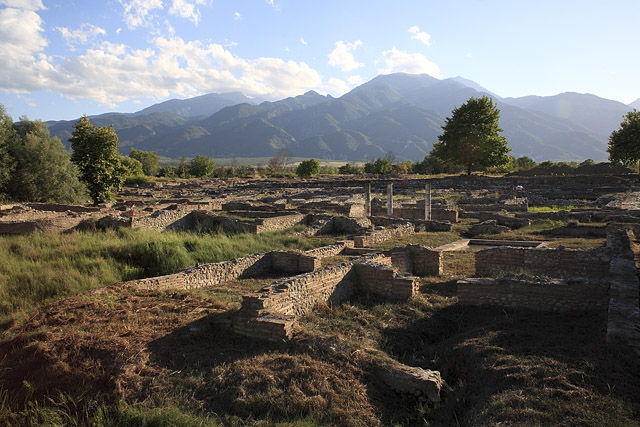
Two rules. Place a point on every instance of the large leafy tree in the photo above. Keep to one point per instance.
(7, 135)
(308, 168)
(149, 159)
(42, 168)
(472, 137)
(95, 151)
(624, 143)
(201, 166)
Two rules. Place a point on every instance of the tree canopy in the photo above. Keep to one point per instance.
(149, 159)
(201, 166)
(34, 166)
(95, 151)
(308, 168)
(471, 136)
(624, 143)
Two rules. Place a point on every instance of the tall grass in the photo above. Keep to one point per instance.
(43, 266)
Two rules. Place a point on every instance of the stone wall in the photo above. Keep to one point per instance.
(383, 281)
(166, 219)
(56, 207)
(271, 312)
(420, 225)
(546, 295)
(623, 323)
(425, 261)
(417, 213)
(54, 225)
(279, 222)
(549, 262)
(378, 236)
(329, 251)
(293, 262)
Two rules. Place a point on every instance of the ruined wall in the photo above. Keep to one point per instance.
(56, 207)
(425, 261)
(383, 281)
(293, 262)
(549, 262)
(166, 219)
(624, 304)
(417, 213)
(54, 225)
(546, 295)
(271, 312)
(279, 222)
(421, 225)
(329, 251)
(378, 236)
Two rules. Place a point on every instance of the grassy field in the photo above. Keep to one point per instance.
(43, 267)
(120, 356)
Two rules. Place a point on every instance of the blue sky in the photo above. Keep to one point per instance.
(61, 59)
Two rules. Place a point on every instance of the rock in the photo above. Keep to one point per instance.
(412, 380)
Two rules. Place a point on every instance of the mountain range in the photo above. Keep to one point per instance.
(400, 113)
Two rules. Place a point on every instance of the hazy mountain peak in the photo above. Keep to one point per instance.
(635, 104)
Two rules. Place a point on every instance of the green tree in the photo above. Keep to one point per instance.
(525, 163)
(308, 168)
(624, 143)
(380, 166)
(132, 167)
(42, 168)
(7, 136)
(201, 166)
(472, 137)
(149, 159)
(95, 151)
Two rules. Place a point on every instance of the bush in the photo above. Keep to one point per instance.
(308, 168)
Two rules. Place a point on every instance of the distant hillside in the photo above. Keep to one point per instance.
(402, 113)
(635, 104)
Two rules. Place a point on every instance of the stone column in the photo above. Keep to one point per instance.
(367, 199)
(390, 200)
(427, 201)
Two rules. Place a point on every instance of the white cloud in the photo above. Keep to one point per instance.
(32, 5)
(186, 9)
(420, 35)
(237, 16)
(138, 13)
(272, 3)
(303, 41)
(355, 80)
(82, 35)
(342, 57)
(414, 63)
(21, 41)
(338, 86)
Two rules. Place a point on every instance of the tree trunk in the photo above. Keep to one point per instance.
(469, 169)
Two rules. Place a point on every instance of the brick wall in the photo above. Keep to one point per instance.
(546, 295)
(378, 236)
(54, 225)
(549, 262)
(425, 261)
(417, 213)
(382, 280)
(329, 251)
(279, 222)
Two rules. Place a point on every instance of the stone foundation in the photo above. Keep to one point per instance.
(528, 293)
(378, 236)
(543, 261)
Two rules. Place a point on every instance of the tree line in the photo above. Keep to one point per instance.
(36, 167)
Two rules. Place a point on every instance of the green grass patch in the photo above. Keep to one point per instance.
(552, 208)
(42, 266)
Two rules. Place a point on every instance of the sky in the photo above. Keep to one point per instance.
(60, 59)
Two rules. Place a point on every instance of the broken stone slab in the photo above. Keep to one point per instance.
(412, 380)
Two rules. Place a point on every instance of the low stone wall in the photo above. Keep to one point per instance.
(546, 295)
(239, 268)
(378, 236)
(623, 323)
(417, 213)
(279, 222)
(271, 312)
(549, 262)
(425, 261)
(329, 251)
(166, 219)
(420, 225)
(53, 225)
(55, 207)
(383, 281)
